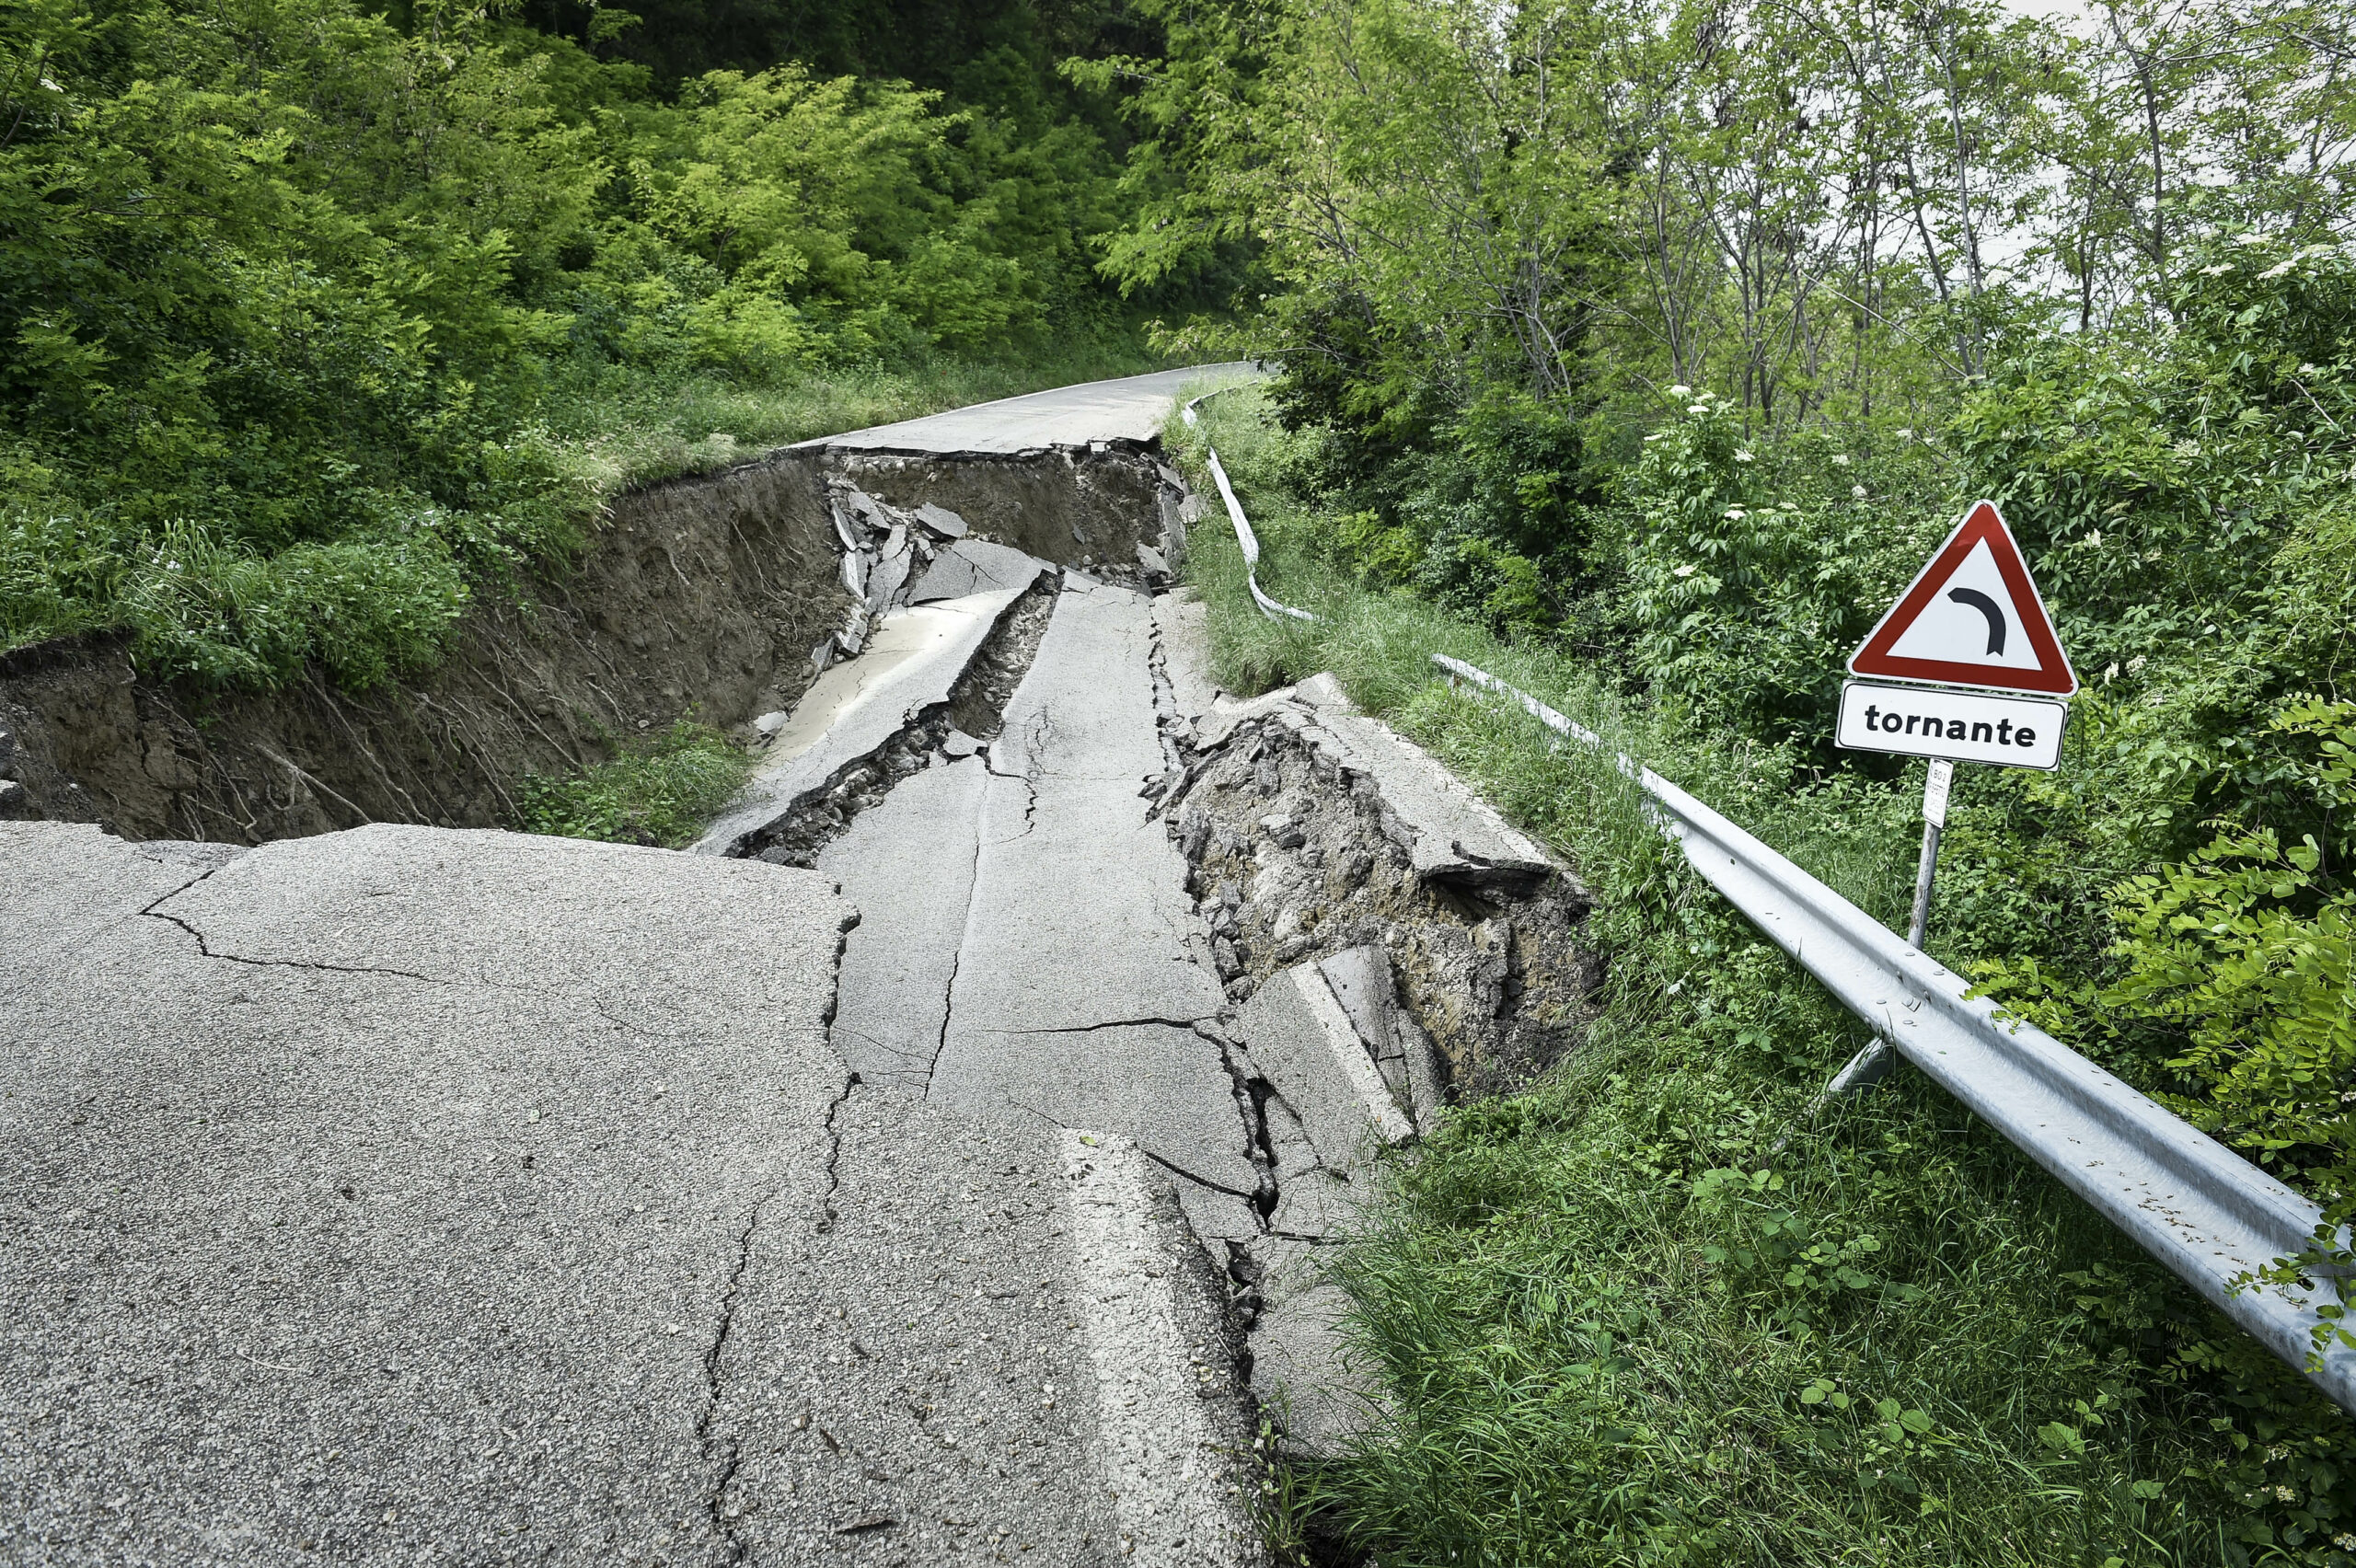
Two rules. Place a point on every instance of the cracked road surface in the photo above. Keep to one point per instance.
(380, 1195)
(406, 1195)
(1026, 954)
(409, 1195)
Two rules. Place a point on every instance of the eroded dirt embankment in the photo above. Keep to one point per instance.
(700, 598)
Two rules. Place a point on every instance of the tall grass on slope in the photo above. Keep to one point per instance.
(1649, 1311)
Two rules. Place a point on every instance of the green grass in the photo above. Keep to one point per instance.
(659, 792)
(1649, 1311)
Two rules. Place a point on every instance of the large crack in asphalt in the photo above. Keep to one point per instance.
(1249, 1091)
(1203, 1181)
(1030, 798)
(975, 708)
(1187, 1023)
(827, 1218)
(559, 999)
(724, 1453)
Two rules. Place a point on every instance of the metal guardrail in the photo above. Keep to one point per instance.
(1251, 542)
(2206, 1213)
(1244, 536)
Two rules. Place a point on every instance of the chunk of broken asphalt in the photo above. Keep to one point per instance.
(942, 521)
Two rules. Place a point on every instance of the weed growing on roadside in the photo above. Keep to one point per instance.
(660, 792)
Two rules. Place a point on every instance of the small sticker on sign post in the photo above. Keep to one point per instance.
(1934, 792)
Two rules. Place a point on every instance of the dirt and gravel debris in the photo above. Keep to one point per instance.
(1294, 856)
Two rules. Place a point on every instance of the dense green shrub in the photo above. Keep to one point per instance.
(1754, 566)
(660, 793)
(296, 297)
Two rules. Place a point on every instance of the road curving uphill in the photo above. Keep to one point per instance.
(938, 1165)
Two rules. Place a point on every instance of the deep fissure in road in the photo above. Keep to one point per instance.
(1206, 952)
(968, 719)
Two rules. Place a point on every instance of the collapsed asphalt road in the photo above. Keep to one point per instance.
(915, 1176)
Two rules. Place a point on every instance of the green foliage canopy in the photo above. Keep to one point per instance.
(296, 297)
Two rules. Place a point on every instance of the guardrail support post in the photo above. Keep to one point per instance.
(1866, 1069)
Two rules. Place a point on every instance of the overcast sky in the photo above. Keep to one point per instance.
(2057, 10)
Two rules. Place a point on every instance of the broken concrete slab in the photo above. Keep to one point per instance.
(1075, 924)
(893, 560)
(1303, 1041)
(907, 866)
(942, 521)
(1301, 1375)
(1077, 990)
(976, 566)
(1363, 983)
(1228, 714)
(352, 1183)
(913, 663)
(1164, 1088)
(1182, 621)
(1166, 1450)
(1456, 836)
(1494, 974)
(1081, 919)
(1450, 833)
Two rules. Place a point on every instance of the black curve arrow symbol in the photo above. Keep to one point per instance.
(1986, 606)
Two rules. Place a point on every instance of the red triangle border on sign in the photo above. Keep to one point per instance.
(2053, 676)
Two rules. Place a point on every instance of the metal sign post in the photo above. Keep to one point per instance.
(1866, 1068)
(1981, 666)
(1934, 820)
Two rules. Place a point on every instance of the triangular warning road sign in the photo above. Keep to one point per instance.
(1970, 617)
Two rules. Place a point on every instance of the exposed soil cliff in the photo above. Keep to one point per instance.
(699, 598)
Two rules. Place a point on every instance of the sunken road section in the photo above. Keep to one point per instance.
(948, 1162)
(699, 598)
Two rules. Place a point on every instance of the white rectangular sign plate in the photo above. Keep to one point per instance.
(1934, 792)
(2008, 731)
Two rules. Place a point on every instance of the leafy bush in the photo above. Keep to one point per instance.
(297, 293)
(660, 793)
(1754, 568)
(2246, 947)
(2234, 993)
